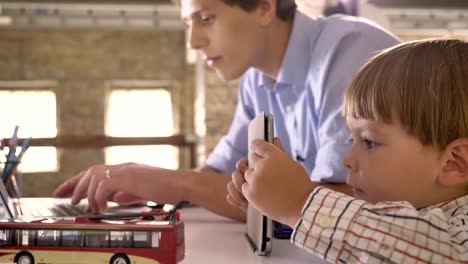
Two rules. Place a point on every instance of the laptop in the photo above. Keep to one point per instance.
(38, 207)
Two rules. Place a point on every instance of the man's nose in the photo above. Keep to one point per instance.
(196, 38)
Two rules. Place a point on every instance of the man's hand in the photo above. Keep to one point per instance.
(275, 184)
(124, 183)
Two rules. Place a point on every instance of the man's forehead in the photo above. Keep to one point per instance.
(190, 7)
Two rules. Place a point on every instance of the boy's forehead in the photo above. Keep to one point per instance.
(364, 124)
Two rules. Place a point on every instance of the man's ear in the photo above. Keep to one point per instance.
(267, 9)
(455, 169)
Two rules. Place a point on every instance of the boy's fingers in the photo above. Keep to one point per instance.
(277, 143)
(236, 196)
(238, 179)
(242, 165)
(262, 147)
(232, 202)
(245, 190)
(248, 177)
(254, 159)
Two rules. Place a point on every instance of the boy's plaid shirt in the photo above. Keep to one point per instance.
(343, 229)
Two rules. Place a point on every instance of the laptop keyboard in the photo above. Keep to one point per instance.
(55, 210)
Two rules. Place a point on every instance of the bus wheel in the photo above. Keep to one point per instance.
(24, 258)
(148, 218)
(120, 259)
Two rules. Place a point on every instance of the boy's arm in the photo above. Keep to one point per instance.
(343, 229)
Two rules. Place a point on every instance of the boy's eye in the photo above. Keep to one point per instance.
(369, 143)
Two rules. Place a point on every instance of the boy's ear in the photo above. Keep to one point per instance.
(455, 169)
(267, 10)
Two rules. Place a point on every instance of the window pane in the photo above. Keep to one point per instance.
(141, 113)
(162, 155)
(35, 114)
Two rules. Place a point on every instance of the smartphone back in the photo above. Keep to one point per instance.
(259, 227)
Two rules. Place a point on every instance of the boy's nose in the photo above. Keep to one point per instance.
(349, 161)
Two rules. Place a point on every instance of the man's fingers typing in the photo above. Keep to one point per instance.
(66, 189)
(81, 188)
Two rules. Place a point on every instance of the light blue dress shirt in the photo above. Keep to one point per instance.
(322, 56)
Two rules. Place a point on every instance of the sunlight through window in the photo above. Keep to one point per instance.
(141, 113)
(35, 114)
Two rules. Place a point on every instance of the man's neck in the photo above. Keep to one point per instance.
(278, 39)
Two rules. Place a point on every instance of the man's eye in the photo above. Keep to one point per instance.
(207, 19)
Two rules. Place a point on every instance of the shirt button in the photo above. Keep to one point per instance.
(289, 108)
(324, 221)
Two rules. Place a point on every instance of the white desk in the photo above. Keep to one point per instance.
(210, 238)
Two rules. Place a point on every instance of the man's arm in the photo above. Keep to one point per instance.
(207, 187)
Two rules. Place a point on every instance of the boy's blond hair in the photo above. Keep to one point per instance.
(423, 84)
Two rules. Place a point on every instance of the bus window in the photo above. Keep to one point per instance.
(121, 239)
(28, 237)
(46, 237)
(72, 238)
(6, 237)
(156, 236)
(141, 239)
(96, 238)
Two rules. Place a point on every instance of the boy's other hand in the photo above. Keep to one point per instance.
(275, 184)
(235, 196)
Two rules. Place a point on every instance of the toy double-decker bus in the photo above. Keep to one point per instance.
(86, 241)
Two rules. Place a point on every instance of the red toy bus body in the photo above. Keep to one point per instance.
(85, 241)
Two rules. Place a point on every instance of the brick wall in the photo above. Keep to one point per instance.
(83, 61)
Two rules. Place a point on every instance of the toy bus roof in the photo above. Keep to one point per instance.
(84, 223)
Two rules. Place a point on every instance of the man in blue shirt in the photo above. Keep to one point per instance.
(292, 66)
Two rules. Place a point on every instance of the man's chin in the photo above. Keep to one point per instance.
(227, 76)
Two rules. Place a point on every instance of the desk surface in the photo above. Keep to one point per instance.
(210, 238)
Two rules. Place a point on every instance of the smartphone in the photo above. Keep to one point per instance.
(259, 227)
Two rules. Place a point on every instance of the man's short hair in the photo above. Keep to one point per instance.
(284, 8)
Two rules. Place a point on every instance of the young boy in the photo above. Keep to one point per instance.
(291, 65)
(407, 113)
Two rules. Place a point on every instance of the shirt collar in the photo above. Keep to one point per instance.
(448, 205)
(295, 66)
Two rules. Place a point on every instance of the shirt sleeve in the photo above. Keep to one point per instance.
(233, 146)
(342, 229)
(343, 55)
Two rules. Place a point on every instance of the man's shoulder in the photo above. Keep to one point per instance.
(351, 24)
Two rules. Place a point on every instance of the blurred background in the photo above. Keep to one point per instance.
(103, 81)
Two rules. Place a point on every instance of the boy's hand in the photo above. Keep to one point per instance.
(275, 184)
(235, 196)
